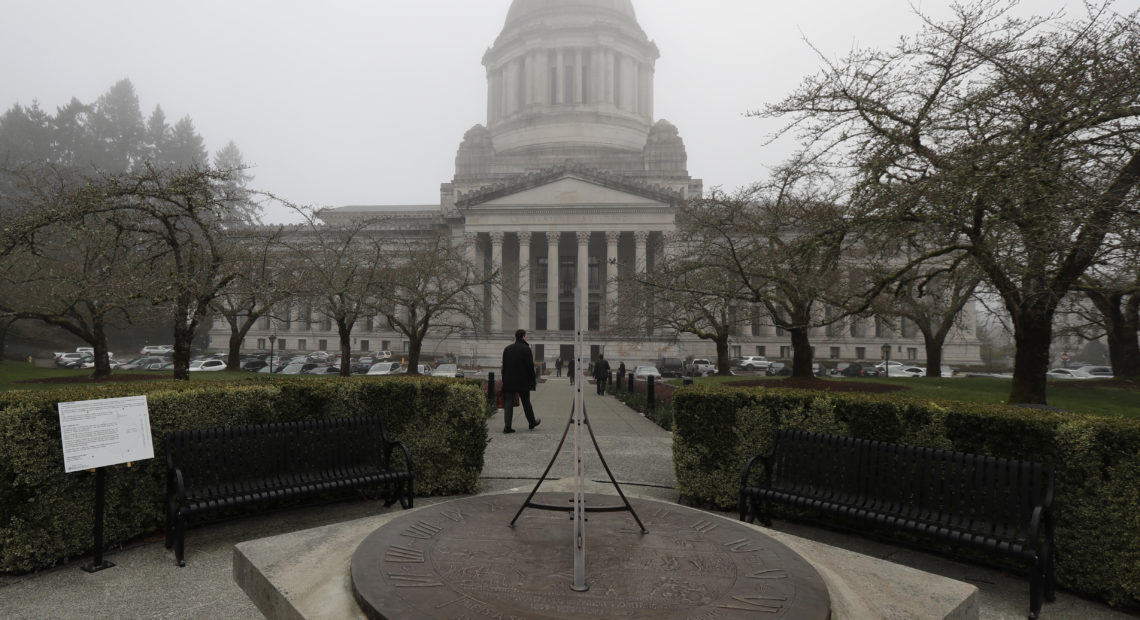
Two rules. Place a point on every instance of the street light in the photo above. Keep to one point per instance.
(886, 360)
(272, 359)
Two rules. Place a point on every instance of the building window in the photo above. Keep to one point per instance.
(540, 315)
(265, 322)
(595, 274)
(281, 344)
(566, 316)
(834, 353)
(860, 353)
(322, 345)
(539, 353)
(912, 353)
(364, 345)
(302, 345)
(762, 350)
(593, 316)
(785, 352)
(567, 278)
(385, 345)
(780, 331)
(880, 328)
(907, 327)
(734, 351)
(307, 317)
(369, 323)
(540, 274)
(855, 331)
(261, 343)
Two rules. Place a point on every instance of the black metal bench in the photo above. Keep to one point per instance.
(999, 505)
(221, 468)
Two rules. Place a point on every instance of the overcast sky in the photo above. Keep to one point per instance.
(345, 102)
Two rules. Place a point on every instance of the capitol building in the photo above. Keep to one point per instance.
(572, 183)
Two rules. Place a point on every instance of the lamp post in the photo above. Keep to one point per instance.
(886, 360)
(272, 357)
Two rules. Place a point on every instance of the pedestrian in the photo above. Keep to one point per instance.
(601, 374)
(570, 370)
(558, 367)
(621, 369)
(518, 378)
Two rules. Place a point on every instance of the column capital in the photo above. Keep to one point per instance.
(524, 237)
(553, 237)
(641, 236)
(470, 237)
(612, 236)
(497, 237)
(583, 237)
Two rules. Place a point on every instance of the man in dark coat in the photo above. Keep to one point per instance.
(518, 378)
(601, 374)
(570, 370)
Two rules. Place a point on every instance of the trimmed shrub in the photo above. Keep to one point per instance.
(46, 514)
(1097, 461)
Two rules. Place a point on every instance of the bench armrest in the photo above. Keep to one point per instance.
(389, 446)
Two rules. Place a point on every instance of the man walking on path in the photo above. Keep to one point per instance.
(558, 367)
(570, 370)
(518, 378)
(601, 374)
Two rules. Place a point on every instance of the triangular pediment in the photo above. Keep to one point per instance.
(569, 192)
(569, 186)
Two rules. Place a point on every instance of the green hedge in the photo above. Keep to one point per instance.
(46, 515)
(1097, 461)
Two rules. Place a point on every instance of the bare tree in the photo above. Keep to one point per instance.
(341, 269)
(431, 288)
(1027, 131)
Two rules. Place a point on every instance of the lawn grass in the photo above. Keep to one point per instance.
(24, 376)
(1065, 394)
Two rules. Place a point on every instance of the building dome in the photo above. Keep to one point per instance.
(522, 10)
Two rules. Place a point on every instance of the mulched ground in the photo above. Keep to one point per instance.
(815, 383)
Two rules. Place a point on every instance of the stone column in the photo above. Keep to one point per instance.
(559, 78)
(552, 280)
(611, 278)
(578, 75)
(641, 237)
(472, 253)
(524, 280)
(584, 264)
(497, 267)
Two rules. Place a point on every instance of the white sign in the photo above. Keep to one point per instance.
(97, 433)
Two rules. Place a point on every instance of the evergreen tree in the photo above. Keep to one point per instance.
(186, 147)
(117, 125)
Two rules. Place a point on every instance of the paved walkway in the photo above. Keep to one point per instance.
(146, 583)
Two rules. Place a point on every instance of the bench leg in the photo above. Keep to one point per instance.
(169, 524)
(180, 539)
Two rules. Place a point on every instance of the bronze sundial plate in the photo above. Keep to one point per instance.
(461, 559)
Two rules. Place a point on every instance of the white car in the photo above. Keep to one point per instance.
(702, 367)
(384, 368)
(447, 370)
(156, 349)
(207, 365)
(1062, 373)
(642, 373)
(1094, 372)
(754, 362)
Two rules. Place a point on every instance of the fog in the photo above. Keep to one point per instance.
(365, 101)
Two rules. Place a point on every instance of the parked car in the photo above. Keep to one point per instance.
(254, 365)
(296, 369)
(1062, 373)
(145, 363)
(382, 356)
(321, 369)
(701, 368)
(754, 362)
(671, 367)
(1094, 372)
(157, 349)
(778, 369)
(207, 365)
(642, 373)
(384, 368)
(70, 360)
(361, 366)
(447, 370)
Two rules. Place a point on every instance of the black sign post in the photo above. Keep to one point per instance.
(97, 562)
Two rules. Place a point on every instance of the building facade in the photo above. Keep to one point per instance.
(572, 183)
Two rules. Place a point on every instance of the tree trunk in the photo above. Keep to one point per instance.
(233, 356)
(801, 352)
(5, 323)
(183, 337)
(415, 348)
(102, 364)
(1121, 322)
(934, 341)
(1033, 331)
(344, 330)
(723, 362)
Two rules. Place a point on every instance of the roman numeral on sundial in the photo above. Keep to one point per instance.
(704, 526)
(422, 530)
(414, 581)
(763, 604)
(396, 553)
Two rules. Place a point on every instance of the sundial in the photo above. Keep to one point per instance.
(461, 560)
(470, 559)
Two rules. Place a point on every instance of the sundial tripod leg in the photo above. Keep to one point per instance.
(542, 478)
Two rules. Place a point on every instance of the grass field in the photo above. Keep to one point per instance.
(1068, 395)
